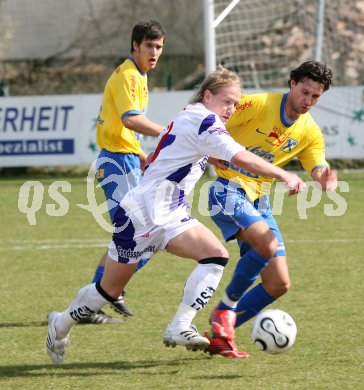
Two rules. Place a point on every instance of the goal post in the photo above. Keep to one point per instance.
(210, 25)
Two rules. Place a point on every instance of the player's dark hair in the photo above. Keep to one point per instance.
(150, 30)
(312, 70)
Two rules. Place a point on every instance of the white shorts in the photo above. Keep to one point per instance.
(136, 240)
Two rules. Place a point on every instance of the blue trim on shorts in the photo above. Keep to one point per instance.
(231, 210)
(117, 173)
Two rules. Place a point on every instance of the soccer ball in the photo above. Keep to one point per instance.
(274, 331)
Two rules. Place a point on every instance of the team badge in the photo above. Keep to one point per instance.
(289, 145)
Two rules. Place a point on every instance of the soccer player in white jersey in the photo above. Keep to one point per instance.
(277, 127)
(153, 216)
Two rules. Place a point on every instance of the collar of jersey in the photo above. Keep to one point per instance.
(283, 120)
(133, 61)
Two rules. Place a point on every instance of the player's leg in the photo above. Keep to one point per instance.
(127, 243)
(248, 268)
(117, 173)
(90, 299)
(275, 283)
(200, 244)
(236, 216)
(275, 278)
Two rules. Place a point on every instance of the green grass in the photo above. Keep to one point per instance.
(43, 266)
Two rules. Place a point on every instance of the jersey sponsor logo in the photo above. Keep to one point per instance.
(277, 136)
(289, 145)
(259, 151)
(129, 254)
(241, 107)
(218, 131)
(241, 171)
(133, 87)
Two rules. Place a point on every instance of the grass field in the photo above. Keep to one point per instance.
(44, 265)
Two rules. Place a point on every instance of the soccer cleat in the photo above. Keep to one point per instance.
(121, 307)
(55, 347)
(223, 322)
(190, 338)
(219, 346)
(100, 318)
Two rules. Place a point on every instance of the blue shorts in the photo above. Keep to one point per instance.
(231, 210)
(117, 173)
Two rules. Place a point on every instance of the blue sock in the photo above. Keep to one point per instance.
(100, 270)
(141, 264)
(98, 273)
(252, 303)
(246, 272)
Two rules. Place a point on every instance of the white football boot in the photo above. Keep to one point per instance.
(188, 337)
(55, 347)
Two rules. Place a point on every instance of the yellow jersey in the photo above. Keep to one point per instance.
(126, 92)
(259, 123)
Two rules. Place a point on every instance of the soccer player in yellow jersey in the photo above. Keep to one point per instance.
(277, 127)
(120, 123)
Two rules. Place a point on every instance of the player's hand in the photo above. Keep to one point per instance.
(292, 192)
(148, 160)
(218, 163)
(328, 179)
(294, 183)
(142, 158)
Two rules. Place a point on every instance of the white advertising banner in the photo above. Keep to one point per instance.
(47, 130)
(60, 130)
(340, 115)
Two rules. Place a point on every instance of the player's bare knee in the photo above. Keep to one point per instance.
(267, 246)
(278, 287)
(281, 290)
(220, 252)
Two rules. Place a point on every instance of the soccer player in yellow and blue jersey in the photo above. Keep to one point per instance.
(277, 127)
(120, 123)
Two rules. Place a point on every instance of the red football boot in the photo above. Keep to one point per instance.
(223, 322)
(219, 346)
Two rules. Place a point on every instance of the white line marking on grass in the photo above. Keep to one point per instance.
(93, 243)
(47, 247)
(56, 240)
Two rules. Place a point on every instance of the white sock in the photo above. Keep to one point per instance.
(228, 302)
(87, 301)
(200, 286)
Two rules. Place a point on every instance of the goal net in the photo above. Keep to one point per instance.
(263, 39)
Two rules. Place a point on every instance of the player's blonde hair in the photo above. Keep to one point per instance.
(214, 81)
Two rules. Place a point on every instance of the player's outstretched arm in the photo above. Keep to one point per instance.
(141, 124)
(257, 165)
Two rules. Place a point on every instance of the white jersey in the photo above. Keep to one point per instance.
(159, 200)
(181, 156)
